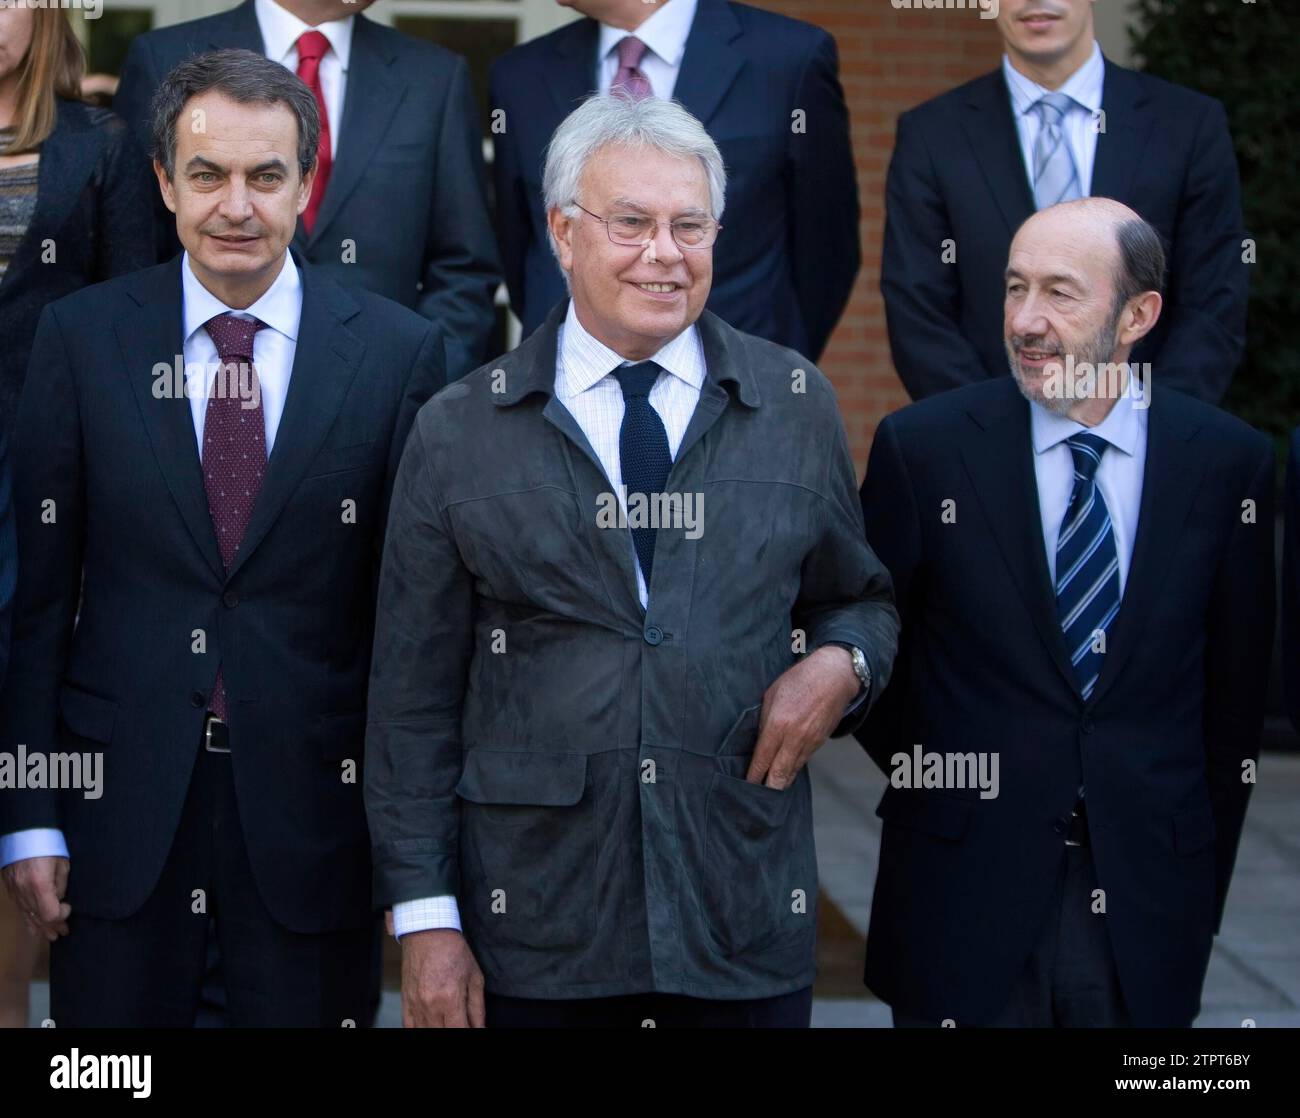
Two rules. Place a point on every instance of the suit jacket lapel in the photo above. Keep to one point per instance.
(67, 160)
(710, 65)
(1120, 147)
(149, 335)
(999, 458)
(373, 95)
(573, 76)
(1170, 481)
(995, 144)
(325, 363)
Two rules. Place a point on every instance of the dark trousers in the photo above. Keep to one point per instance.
(1070, 980)
(148, 969)
(665, 1011)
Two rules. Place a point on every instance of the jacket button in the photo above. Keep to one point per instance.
(1062, 825)
(198, 699)
(1087, 726)
(654, 635)
(230, 599)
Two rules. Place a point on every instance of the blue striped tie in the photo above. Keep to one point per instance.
(1055, 177)
(1087, 564)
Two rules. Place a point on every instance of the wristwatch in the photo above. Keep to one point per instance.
(861, 668)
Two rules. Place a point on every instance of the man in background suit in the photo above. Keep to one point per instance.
(767, 89)
(400, 203)
(228, 529)
(1291, 582)
(1057, 122)
(588, 729)
(1085, 584)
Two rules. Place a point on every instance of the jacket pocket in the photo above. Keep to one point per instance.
(527, 825)
(760, 873)
(743, 735)
(87, 715)
(1193, 830)
(941, 816)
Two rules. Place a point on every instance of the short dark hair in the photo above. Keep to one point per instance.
(1141, 261)
(244, 76)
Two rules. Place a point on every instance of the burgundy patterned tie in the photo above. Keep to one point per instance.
(629, 77)
(234, 445)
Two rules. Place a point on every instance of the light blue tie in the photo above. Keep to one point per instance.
(1087, 565)
(1055, 177)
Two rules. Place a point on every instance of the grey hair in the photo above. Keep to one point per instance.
(244, 76)
(616, 119)
(1141, 261)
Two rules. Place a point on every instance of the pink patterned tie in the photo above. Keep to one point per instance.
(234, 445)
(629, 78)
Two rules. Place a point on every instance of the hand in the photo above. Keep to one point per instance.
(38, 886)
(800, 709)
(442, 986)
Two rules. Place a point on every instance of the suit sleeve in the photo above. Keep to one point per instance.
(922, 293)
(427, 376)
(892, 520)
(135, 89)
(49, 511)
(462, 270)
(845, 593)
(1208, 283)
(423, 644)
(823, 200)
(126, 202)
(1239, 646)
(512, 220)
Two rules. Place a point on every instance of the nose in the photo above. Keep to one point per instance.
(1027, 319)
(666, 250)
(236, 203)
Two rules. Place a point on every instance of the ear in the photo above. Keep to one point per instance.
(1139, 317)
(561, 227)
(165, 185)
(304, 188)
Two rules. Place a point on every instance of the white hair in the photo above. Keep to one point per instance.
(616, 119)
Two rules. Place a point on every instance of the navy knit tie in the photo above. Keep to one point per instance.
(642, 449)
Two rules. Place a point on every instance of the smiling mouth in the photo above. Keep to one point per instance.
(659, 288)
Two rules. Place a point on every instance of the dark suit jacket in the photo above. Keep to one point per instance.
(964, 883)
(92, 207)
(407, 187)
(1291, 582)
(787, 256)
(957, 173)
(589, 772)
(108, 481)
(8, 554)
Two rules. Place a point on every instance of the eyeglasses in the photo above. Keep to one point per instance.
(635, 229)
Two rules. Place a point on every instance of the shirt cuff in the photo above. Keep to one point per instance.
(38, 842)
(425, 914)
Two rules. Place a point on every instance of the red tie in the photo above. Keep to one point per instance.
(234, 445)
(312, 46)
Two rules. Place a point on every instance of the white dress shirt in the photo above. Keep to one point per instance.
(1119, 477)
(280, 32)
(280, 307)
(664, 33)
(1084, 88)
(584, 383)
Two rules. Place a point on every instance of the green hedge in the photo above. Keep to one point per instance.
(1244, 53)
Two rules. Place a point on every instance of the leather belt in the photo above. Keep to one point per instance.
(216, 735)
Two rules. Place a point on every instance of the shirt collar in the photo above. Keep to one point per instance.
(584, 361)
(281, 30)
(665, 32)
(1123, 428)
(280, 305)
(1084, 86)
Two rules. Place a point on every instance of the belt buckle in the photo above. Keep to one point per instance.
(208, 743)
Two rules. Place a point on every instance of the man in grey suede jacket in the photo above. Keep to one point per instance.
(626, 594)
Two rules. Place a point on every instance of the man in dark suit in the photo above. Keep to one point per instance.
(205, 454)
(1085, 583)
(589, 721)
(400, 205)
(1291, 582)
(1056, 122)
(767, 89)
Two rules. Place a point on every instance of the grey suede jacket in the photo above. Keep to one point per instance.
(572, 766)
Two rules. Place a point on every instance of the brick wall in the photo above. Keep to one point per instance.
(889, 61)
